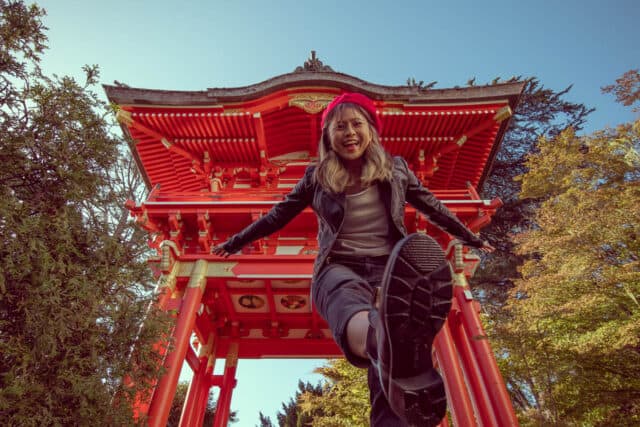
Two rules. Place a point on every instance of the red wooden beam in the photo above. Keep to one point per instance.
(161, 402)
(488, 368)
(462, 409)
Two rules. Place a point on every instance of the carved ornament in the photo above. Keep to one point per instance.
(313, 64)
(311, 103)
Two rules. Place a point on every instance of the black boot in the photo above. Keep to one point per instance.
(416, 296)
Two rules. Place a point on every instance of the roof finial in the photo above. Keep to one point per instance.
(313, 64)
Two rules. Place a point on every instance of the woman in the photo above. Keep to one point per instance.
(384, 294)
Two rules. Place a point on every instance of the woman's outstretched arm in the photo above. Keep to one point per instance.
(424, 201)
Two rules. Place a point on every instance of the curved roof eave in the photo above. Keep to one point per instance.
(125, 95)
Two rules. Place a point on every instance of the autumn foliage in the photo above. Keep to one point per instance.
(572, 346)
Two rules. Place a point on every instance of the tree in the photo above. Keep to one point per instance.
(265, 421)
(73, 287)
(626, 88)
(571, 342)
(292, 414)
(344, 400)
(542, 112)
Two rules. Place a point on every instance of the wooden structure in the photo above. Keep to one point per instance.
(218, 159)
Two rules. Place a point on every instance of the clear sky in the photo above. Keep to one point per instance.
(194, 45)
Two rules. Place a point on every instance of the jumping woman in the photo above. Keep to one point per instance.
(384, 294)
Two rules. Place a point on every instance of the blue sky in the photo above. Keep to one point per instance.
(194, 45)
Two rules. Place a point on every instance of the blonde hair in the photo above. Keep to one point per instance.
(331, 173)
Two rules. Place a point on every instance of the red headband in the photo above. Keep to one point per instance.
(354, 98)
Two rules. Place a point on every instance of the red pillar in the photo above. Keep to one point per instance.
(226, 389)
(166, 389)
(191, 399)
(203, 395)
(198, 393)
(164, 292)
(459, 400)
(480, 396)
(486, 360)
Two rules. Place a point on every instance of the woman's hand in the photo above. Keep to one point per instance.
(220, 250)
(486, 248)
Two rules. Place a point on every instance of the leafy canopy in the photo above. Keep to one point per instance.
(571, 346)
(74, 289)
(344, 400)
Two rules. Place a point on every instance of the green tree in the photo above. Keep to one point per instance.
(542, 112)
(344, 400)
(570, 344)
(73, 287)
(291, 414)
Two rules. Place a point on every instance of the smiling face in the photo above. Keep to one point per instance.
(350, 134)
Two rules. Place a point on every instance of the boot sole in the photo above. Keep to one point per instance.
(417, 294)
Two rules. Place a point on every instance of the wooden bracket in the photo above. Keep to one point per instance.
(175, 227)
(204, 231)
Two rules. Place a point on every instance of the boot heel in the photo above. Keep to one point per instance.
(423, 400)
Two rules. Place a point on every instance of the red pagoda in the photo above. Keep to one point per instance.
(216, 160)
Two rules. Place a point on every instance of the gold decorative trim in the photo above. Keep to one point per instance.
(221, 269)
(287, 158)
(170, 243)
(462, 140)
(311, 103)
(124, 117)
(459, 279)
(169, 280)
(205, 350)
(199, 275)
(232, 111)
(503, 114)
(165, 259)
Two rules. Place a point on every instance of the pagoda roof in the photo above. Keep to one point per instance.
(125, 95)
(218, 159)
(181, 140)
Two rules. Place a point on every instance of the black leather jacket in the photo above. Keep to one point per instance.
(329, 208)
